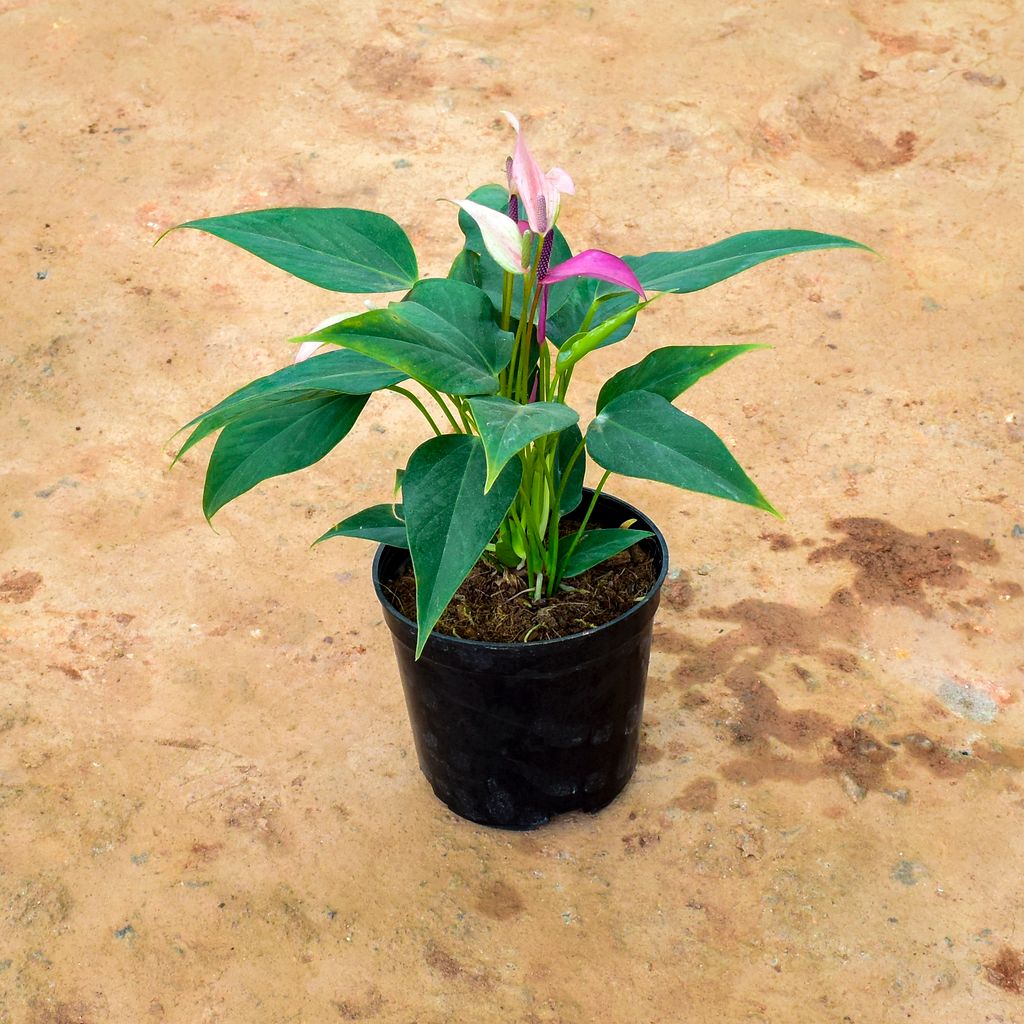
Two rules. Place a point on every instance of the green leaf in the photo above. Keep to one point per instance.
(670, 371)
(643, 435)
(597, 545)
(568, 441)
(274, 440)
(492, 277)
(382, 524)
(579, 345)
(506, 427)
(449, 518)
(566, 321)
(340, 249)
(693, 269)
(443, 335)
(341, 372)
(465, 268)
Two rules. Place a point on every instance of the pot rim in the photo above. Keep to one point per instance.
(536, 645)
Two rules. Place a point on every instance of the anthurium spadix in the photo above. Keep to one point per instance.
(506, 456)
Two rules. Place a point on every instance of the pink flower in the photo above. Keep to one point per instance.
(590, 263)
(539, 194)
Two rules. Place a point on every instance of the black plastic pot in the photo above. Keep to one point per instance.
(509, 735)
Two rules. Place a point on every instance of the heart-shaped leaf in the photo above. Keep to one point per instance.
(449, 518)
(670, 371)
(506, 427)
(382, 524)
(643, 435)
(597, 545)
(276, 439)
(443, 335)
(693, 269)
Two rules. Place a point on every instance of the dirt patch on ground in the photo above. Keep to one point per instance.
(17, 588)
(895, 567)
(1007, 970)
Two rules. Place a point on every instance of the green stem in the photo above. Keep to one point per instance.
(444, 408)
(507, 285)
(567, 470)
(419, 405)
(465, 414)
(579, 533)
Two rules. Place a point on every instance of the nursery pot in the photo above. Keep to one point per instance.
(511, 734)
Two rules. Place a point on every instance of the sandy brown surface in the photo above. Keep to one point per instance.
(210, 810)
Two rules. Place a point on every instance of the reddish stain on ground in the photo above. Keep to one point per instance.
(778, 541)
(1007, 970)
(500, 902)
(678, 593)
(895, 567)
(699, 795)
(17, 588)
(761, 716)
(369, 1008)
(766, 630)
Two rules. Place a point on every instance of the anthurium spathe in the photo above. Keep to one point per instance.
(506, 455)
(508, 246)
(539, 194)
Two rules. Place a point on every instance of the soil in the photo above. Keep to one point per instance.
(494, 605)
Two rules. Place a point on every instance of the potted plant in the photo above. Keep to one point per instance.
(521, 603)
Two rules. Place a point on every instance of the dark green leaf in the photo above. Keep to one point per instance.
(568, 441)
(693, 269)
(340, 372)
(381, 524)
(643, 435)
(340, 249)
(670, 371)
(449, 518)
(597, 545)
(443, 335)
(274, 440)
(465, 268)
(506, 427)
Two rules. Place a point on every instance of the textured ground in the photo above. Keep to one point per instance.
(210, 810)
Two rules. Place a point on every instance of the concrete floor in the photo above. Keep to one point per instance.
(210, 810)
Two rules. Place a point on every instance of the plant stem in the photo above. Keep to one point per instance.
(579, 533)
(567, 470)
(419, 405)
(464, 413)
(444, 408)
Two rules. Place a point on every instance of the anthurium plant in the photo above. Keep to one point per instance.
(487, 355)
